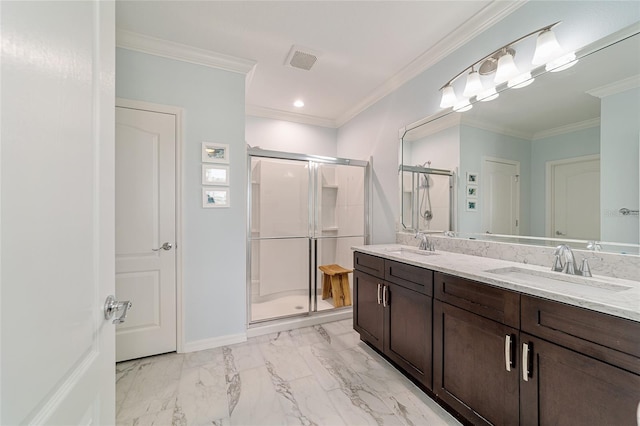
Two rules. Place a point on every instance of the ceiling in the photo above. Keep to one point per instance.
(365, 49)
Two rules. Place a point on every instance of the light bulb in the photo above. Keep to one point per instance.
(449, 97)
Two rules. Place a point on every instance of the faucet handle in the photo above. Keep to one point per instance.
(585, 271)
(594, 245)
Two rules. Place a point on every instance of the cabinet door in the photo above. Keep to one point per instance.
(408, 331)
(564, 387)
(368, 314)
(471, 363)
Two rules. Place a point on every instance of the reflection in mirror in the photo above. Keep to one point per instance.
(557, 159)
(426, 198)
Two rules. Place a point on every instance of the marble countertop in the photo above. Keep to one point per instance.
(608, 295)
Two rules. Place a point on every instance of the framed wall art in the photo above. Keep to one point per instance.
(215, 175)
(215, 153)
(215, 197)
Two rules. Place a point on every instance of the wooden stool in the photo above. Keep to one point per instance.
(335, 283)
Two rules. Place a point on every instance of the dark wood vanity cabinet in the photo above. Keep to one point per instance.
(475, 335)
(580, 366)
(500, 357)
(395, 317)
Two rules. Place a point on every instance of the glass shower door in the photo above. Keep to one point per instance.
(339, 221)
(280, 244)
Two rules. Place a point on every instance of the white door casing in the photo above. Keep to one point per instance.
(500, 196)
(56, 217)
(573, 198)
(145, 220)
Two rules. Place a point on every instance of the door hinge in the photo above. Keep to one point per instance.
(516, 222)
(517, 178)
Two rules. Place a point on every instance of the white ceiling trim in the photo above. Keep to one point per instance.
(616, 87)
(182, 52)
(486, 18)
(491, 127)
(568, 128)
(257, 111)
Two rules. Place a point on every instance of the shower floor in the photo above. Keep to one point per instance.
(286, 305)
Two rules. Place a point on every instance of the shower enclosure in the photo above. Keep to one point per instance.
(427, 198)
(304, 211)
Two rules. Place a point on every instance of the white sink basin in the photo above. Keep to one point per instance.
(557, 280)
(403, 251)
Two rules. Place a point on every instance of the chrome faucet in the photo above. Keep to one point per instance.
(425, 244)
(564, 261)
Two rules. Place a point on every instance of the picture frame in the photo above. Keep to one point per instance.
(215, 152)
(472, 191)
(215, 175)
(215, 197)
(472, 178)
(472, 205)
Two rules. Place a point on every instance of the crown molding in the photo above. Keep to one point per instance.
(420, 129)
(568, 128)
(182, 52)
(486, 18)
(491, 127)
(275, 114)
(616, 87)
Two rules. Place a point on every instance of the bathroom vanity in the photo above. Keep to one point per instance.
(499, 342)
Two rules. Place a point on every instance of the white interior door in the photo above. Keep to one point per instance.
(500, 192)
(56, 217)
(145, 222)
(575, 198)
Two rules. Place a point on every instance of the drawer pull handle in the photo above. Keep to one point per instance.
(508, 352)
(379, 297)
(525, 362)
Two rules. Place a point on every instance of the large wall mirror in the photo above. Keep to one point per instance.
(558, 159)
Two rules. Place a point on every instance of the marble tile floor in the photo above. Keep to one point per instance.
(319, 375)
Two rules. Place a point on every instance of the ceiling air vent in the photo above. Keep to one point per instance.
(301, 57)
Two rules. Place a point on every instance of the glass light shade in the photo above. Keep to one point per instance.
(463, 105)
(449, 97)
(547, 48)
(562, 63)
(488, 95)
(473, 86)
(522, 80)
(506, 69)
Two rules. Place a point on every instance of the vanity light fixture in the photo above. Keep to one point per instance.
(501, 62)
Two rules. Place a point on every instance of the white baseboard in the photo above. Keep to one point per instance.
(293, 323)
(215, 342)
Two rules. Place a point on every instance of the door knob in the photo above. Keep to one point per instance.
(165, 246)
(111, 306)
(560, 233)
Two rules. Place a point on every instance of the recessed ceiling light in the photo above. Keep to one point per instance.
(298, 104)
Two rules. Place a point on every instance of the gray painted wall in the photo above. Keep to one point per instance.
(214, 240)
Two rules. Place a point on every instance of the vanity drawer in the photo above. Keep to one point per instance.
(372, 265)
(409, 276)
(482, 299)
(605, 337)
